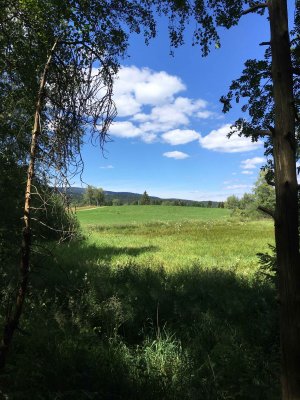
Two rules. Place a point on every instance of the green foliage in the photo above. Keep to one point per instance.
(232, 202)
(94, 196)
(254, 91)
(145, 199)
(130, 331)
(116, 202)
(264, 194)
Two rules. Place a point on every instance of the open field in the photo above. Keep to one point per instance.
(175, 237)
(154, 303)
(121, 215)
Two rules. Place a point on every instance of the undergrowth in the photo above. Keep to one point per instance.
(127, 331)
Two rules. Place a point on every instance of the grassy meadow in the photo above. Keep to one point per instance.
(129, 215)
(154, 302)
(175, 237)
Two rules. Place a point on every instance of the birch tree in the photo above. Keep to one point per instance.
(61, 58)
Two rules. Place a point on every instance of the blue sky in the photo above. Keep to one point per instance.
(170, 134)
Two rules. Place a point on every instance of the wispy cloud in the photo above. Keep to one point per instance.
(107, 167)
(252, 163)
(238, 186)
(178, 155)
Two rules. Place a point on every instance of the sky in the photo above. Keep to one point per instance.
(170, 134)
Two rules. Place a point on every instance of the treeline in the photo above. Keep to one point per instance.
(93, 196)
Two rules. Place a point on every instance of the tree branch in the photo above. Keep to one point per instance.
(265, 43)
(254, 8)
(272, 129)
(267, 211)
(264, 132)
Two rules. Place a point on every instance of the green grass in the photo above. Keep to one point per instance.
(121, 215)
(154, 303)
(175, 237)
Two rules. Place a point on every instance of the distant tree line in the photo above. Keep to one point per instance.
(93, 196)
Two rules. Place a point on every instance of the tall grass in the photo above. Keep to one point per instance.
(169, 310)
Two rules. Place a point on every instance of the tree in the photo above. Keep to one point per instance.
(232, 202)
(247, 201)
(264, 194)
(99, 196)
(48, 53)
(273, 117)
(94, 196)
(145, 199)
(116, 202)
(89, 195)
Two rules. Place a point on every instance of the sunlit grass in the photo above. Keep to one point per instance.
(152, 303)
(210, 238)
(123, 215)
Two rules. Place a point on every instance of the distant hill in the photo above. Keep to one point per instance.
(76, 194)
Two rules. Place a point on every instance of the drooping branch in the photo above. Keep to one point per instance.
(255, 8)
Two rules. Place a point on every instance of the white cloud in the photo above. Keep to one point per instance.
(239, 186)
(158, 88)
(178, 155)
(149, 137)
(171, 115)
(127, 105)
(180, 136)
(217, 140)
(151, 100)
(252, 163)
(124, 129)
(204, 114)
(143, 86)
(107, 167)
(247, 172)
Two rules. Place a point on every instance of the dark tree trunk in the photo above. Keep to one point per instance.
(286, 215)
(13, 319)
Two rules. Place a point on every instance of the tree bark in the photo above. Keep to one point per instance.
(286, 213)
(13, 319)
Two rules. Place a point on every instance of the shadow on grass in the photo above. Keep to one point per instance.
(131, 332)
(93, 253)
